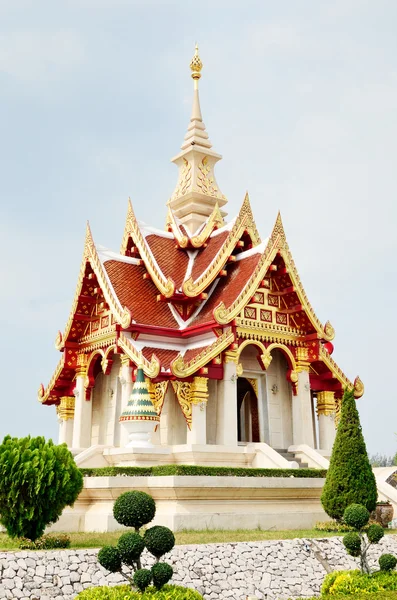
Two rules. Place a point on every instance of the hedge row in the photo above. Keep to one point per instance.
(357, 596)
(192, 470)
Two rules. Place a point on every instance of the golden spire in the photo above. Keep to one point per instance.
(195, 66)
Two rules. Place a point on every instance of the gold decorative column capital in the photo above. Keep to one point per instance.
(82, 362)
(231, 356)
(326, 403)
(302, 354)
(65, 409)
(199, 390)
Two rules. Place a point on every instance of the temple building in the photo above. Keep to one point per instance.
(203, 330)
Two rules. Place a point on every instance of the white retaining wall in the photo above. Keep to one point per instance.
(270, 570)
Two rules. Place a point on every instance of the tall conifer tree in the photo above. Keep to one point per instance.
(350, 479)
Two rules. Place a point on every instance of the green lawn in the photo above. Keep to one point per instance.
(96, 540)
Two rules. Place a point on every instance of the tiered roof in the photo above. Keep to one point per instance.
(174, 300)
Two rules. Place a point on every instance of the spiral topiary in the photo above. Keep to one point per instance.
(130, 547)
(387, 562)
(375, 533)
(159, 540)
(161, 574)
(110, 559)
(352, 543)
(356, 515)
(134, 509)
(142, 579)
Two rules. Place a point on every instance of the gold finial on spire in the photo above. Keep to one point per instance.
(196, 65)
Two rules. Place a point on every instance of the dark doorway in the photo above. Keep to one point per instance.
(247, 412)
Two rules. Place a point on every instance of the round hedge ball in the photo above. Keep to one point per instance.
(159, 540)
(356, 515)
(387, 562)
(352, 543)
(142, 579)
(110, 559)
(134, 509)
(130, 546)
(375, 533)
(161, 574)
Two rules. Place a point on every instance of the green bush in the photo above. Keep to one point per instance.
(130, 547)
(159, 540)
(161, 574)
(387, 562)
(352, 543)
(375, 533)
(37, 481)
(356, 516)
(110, 559)
(142, 579)
(123, 592)
(134, 509)
(349, 477)
(196, 470)
(46, 542)
(348, 583)
(332, 526)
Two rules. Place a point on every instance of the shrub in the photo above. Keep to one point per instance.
(142, 579)
(46, 542)
(193, 470)
(349, 477)
(375, 533)
(161, 573)
(356, 516)
(110, 559)
(134, 509)
(332, 526)
(123, 592)
(387, 562)
(159, 540)
(130, 547)
(352, 543)
(37, 481)
(349, 583)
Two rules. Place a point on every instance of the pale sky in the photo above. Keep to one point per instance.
(300, 99)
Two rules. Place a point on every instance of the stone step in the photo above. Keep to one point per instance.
(290, 456)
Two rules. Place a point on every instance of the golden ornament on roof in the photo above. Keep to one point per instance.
(196, 65)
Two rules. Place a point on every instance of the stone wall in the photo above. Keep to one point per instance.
(270, 570)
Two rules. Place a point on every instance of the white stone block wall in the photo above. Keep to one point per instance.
(269, 570)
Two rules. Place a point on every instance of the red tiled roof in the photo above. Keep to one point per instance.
(171, 260)
(206, 255)
(229, 288)
(165, 356)
(138, 295)
(190, 354)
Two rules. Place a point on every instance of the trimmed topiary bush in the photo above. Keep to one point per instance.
(159, 540)
(349, 477)
(142, 579)
(124, 592)
(161, 573)
(37, 481)
(356, 516)
(352, 543)
(135, 509)
(357, 584)
(387, 562)
(375, 533)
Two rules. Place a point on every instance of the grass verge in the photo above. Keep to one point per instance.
(97, 540)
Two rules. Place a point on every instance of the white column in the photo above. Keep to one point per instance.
(226, 433)
(199, 398)
(82, 413)
(126, 389)
(302, 416)
(326, 420)
(65, 412)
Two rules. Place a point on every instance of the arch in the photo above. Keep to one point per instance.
(251, 342)
(287, 352)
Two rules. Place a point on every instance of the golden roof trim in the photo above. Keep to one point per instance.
(337, 372)
(164, 285)
(171, 223)
(44, 393)
(215, 219)
(244, 221)
(151, 369)
(181, 369)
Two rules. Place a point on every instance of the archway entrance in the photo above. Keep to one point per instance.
(247, 412)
